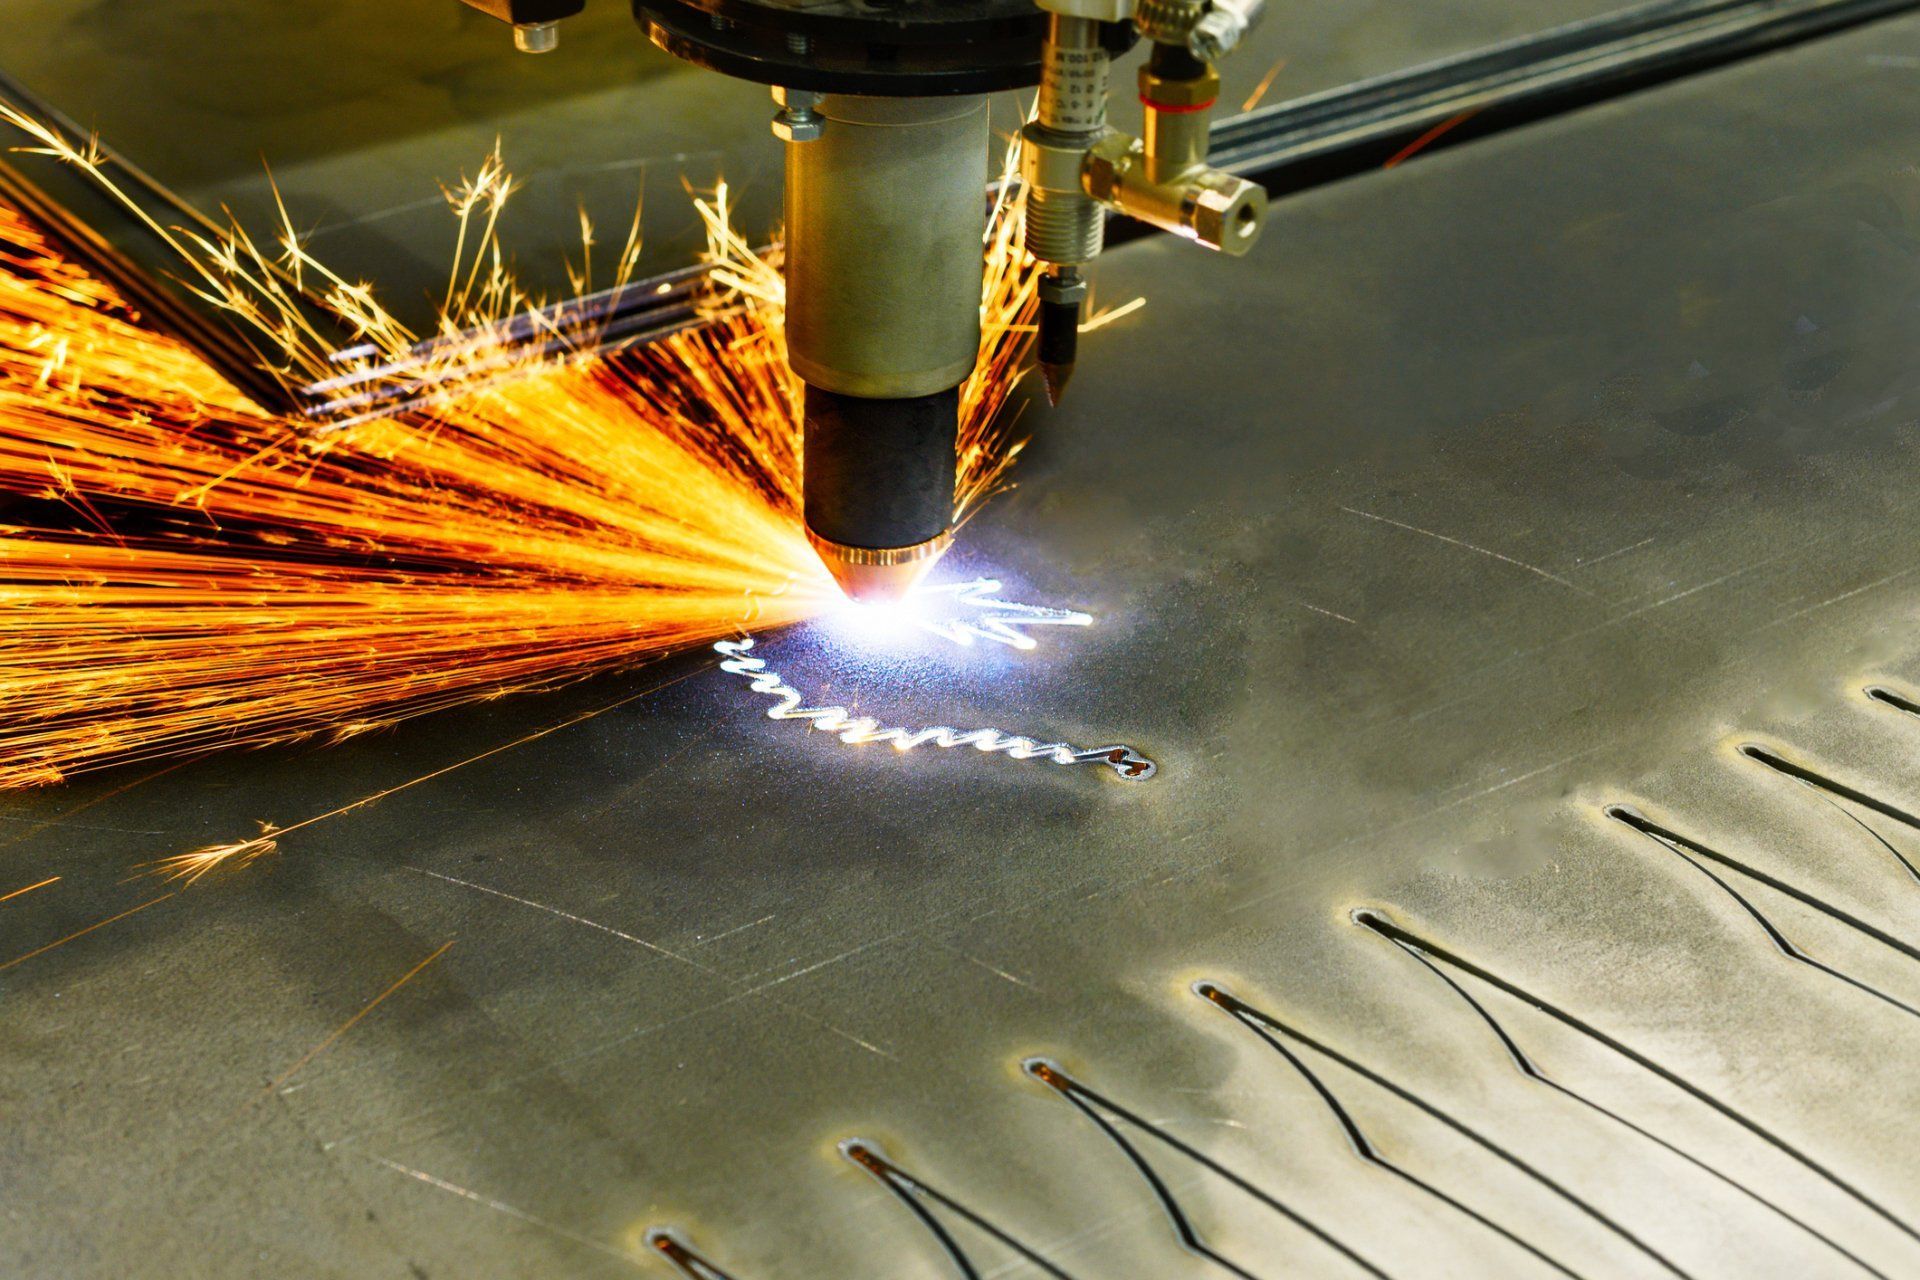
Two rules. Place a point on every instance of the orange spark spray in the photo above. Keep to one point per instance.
(187, 572)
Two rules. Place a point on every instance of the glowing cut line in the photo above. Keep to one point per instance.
(1001, 621)
(788, 705)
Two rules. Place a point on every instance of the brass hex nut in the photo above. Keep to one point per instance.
(1187, 94)
(1226, 212)
(1107, 165)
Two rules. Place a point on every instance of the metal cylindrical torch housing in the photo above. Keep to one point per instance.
(885, 227)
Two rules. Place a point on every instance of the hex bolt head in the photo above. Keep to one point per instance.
(536, 37)
(1227, 213)
(798, 119)
(790, 125)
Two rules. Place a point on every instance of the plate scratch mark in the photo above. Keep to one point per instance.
(37, 825)
(501, 1206)
(999, 973)
(1584, 632)
(43, 823)
(739, 928)
(565, 915)
(824, 1025)
(1844, 595)
(1387, 829)
(377, 796)
(1617, 551)
(689, 961)
(508, 1081)
(815, 966)
(1468, 546)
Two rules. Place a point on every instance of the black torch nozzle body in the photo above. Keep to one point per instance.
(877, 479)
(1059, 344)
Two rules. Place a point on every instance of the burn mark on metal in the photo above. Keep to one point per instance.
(687, 1260)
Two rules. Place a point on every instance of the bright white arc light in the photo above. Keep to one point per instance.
(957, 612)
(994, 619)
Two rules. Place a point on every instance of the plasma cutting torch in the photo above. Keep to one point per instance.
(883, 106)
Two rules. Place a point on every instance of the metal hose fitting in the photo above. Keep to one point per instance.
(1064, 225)
(1168, 21)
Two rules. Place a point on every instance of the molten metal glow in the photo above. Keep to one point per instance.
(959, 612)
(790, 704)
(181, 571)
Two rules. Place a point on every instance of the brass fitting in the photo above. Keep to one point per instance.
(1178, 112)
(1164, 178)
(1208, 206)
(1075, 168)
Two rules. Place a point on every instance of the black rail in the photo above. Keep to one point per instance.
(1359, 128)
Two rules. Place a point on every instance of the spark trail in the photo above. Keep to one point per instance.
(180, 570)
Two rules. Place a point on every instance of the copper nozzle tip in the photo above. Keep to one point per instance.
(879, 574)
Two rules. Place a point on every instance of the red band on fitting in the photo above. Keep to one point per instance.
(1173, 110)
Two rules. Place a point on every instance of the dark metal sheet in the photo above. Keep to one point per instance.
(1533, 478)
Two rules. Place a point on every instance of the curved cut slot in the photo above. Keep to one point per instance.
(1113, 1120)
(686, 1259)
(1278, 1035)
(1887, 697)
(1457, 963)
(917, 1195)
(1821, 782)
